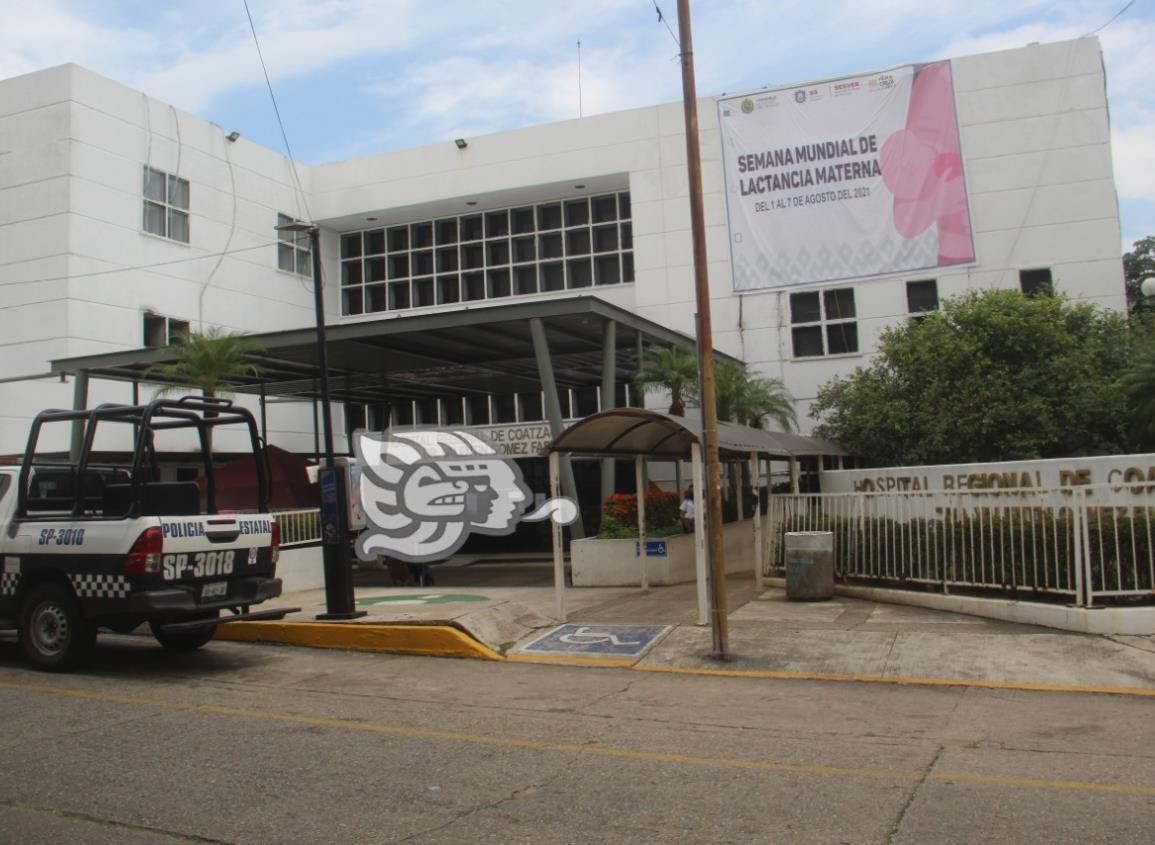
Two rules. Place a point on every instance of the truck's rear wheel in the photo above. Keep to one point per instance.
(182, 641)
(53, 633)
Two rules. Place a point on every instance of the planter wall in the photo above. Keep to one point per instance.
(615, 563)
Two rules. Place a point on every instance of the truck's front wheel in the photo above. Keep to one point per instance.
(53, 633)
(182, 641)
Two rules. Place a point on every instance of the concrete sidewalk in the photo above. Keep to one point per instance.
(500, 610)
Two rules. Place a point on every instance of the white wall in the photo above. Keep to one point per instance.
(1034, 127)
(77, 272)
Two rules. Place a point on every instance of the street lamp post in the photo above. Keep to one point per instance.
(331, 478)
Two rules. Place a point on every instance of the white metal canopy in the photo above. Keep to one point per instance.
(645, 435)
(653, 434)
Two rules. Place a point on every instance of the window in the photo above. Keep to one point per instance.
(922, 296)
(372, 416)
(477, 409)
(293, 254)
(1036, 282)
(554, 246)
(159, 330)
(824, 323)
(165, 205)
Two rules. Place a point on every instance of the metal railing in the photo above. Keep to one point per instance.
(299, 527)
(1086, 542)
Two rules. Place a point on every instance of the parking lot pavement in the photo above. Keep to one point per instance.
(245, 744)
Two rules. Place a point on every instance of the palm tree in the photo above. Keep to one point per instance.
(208, 360)
(672, 369)
(749, 399)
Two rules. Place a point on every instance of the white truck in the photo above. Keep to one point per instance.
(97, 538)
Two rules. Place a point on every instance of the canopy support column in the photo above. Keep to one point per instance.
(79, 403)
(556, 535)
(699, 535)
(756, 483)
(553, 413)
(609, 376)
(640, 477)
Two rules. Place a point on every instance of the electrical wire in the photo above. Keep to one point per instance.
(662, 19)
(1113, 18)
(228, 241)
(131, 267)
(277, 112)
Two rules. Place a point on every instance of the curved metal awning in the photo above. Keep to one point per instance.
(636, 431)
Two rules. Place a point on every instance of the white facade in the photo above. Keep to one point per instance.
(73, 145)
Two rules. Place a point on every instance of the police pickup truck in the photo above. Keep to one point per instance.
(97, 535)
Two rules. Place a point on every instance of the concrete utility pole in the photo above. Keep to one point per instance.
(719, 621)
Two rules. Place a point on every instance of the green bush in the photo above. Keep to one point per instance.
(1010, 548)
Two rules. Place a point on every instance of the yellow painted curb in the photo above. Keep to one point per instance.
(429, 640)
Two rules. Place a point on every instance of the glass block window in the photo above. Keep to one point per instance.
(293, 253)
(824, 322)
(561, 245)
(165, 205)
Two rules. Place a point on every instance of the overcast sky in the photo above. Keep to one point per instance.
(355, 77)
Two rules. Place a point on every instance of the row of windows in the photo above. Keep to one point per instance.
(825, 322)
(553, 246)
(480, 409)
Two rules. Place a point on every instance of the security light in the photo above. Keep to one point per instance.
(461, 143)
(232, 137)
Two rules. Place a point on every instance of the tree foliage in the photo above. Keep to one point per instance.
(993, 376)
(750, 399)
(673, 369)
(209, 361)
(1137, 265)
(1139, 385)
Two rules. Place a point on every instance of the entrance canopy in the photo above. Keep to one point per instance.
(652, 434)
(470, 350)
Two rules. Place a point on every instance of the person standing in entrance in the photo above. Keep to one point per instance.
(687, 510)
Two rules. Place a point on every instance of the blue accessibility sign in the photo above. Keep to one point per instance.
(654, 548)
(623, 640)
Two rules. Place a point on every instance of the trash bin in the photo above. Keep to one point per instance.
(809, 565)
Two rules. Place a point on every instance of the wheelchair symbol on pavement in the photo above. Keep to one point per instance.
(588, 636)
(619, 640)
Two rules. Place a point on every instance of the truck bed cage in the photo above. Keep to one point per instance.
(137, 492)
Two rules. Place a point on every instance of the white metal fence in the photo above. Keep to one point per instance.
(1088, 542)
(299, 527)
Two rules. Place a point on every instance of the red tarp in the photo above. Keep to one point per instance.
(289, 486)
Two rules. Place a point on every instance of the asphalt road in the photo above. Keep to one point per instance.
(263, 744)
